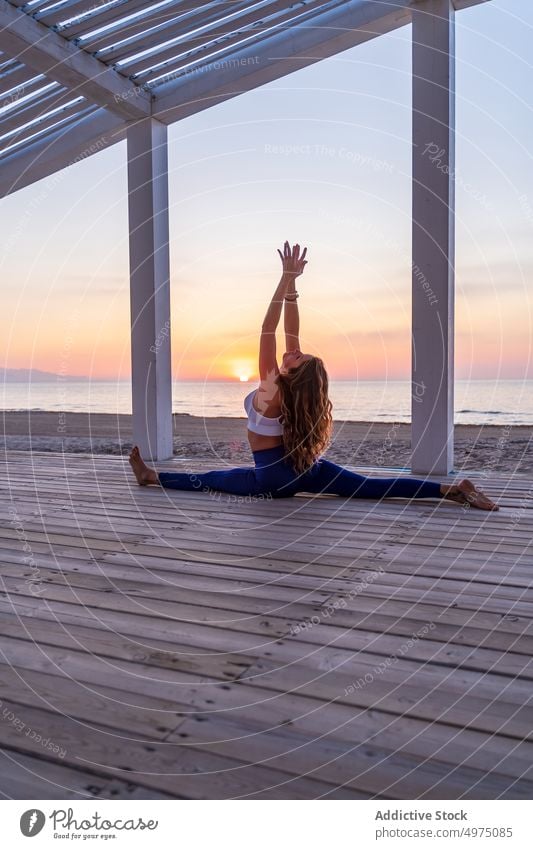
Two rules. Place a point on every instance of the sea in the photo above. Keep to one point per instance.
(488, 402)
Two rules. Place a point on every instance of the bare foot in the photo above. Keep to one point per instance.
(465, 492)
(143, 474)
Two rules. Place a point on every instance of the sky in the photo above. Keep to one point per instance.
(320, 157)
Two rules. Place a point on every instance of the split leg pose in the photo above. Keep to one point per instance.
(290, 425)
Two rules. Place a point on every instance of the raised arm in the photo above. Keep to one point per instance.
(291, 312)
(292, 265)
(268, 365)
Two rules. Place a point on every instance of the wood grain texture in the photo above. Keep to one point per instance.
(160, 644)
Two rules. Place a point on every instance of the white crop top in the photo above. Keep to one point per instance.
(258, 423)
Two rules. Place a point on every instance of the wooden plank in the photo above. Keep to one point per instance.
(141, 583)
(183, 541)
(305, 533)
(467, 654)
(490, 714)
(195, 573)
(395, 670)
(331, 524)
(399, 662)
(136, 584)
(326, 564)
(26, 777)
(149, 626)
(229, 636)
(170, 603)
(221, 607)
(423, 697)
(450, 625)
(248, 630)
(361, 726)
(105, 642)
(469, 591)
(349, 724)
(146, 717)
(371, 769)
(225, 655)
(176, 769)
(393, 548)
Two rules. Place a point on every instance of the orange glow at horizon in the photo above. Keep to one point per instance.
(243, 370)
(91, 338)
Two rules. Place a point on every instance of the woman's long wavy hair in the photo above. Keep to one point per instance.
(305, 413)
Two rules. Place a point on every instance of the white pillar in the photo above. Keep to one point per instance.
(433, 237)
(150, 288)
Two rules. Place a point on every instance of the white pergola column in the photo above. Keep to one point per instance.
(150, 288)
(432, 404)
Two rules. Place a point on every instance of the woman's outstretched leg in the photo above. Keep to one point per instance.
(240, 481)
(234, 481)
(331, 479)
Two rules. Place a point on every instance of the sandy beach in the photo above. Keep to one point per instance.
(377, 444)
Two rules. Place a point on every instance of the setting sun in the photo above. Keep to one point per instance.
(242, 369)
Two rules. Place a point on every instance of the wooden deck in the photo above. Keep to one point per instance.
(165, 644)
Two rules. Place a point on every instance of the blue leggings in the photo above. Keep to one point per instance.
(272, 477)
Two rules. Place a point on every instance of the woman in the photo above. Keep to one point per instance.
(290, 424)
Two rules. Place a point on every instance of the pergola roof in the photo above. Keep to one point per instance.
(75, 73)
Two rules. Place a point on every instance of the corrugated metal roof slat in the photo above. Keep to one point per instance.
(107, 25)
(35, 112)
(175, 29)
(15, 93)
(53, 118)
(99, 44)
(112, 30)
(48, 125)
(61, 60)
(76, 10)
(222, 53)
(178, 58)
(190, 44)
(8, 64)
(45, 90)
(51, 12)
(110, 19)
(18, 77)
(31, 6)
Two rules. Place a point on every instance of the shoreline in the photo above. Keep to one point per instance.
(498, 448)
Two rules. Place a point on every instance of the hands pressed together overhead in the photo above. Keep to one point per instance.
(293, 264)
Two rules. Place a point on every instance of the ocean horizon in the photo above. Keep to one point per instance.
(488, 402)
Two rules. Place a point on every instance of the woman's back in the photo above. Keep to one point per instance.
(264, 427)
